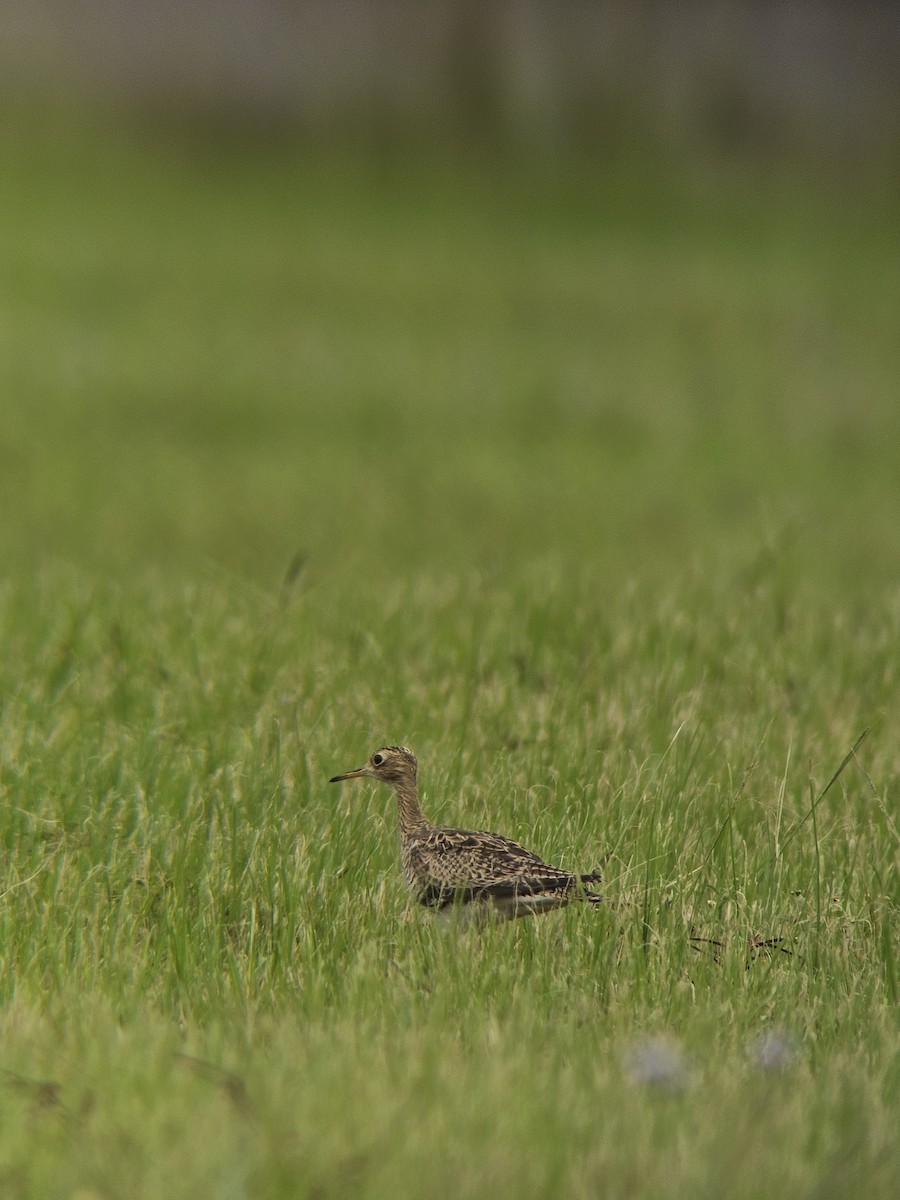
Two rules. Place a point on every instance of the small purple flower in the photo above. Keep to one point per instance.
(773, 1050)
(657, 1062)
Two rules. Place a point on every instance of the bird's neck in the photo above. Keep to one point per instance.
(411, 816)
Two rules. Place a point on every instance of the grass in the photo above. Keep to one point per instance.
(583, 487)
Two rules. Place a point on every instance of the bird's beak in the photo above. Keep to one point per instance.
(359, 773)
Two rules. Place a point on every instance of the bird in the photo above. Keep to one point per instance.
(482, 875)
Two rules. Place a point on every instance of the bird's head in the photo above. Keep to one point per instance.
(390, 764)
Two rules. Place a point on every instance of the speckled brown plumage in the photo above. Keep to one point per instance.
(459, 869)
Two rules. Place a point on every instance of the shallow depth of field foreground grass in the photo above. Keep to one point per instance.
(586, 489)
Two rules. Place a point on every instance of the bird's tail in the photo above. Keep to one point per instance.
(584, 880)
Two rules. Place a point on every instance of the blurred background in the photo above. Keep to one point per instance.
(392, 284)
(538, 73)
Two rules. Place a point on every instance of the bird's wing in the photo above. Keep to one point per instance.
(485, 855)
(459, 865)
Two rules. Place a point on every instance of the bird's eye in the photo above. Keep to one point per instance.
(377, 760)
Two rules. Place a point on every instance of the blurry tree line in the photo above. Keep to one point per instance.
(783, 73)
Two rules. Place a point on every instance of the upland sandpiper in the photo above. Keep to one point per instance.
(458, 870)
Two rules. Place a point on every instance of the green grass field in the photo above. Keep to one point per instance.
(583, 483)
